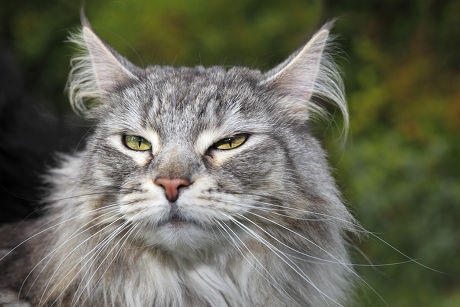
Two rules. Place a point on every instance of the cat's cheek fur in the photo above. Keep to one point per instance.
(249, 172)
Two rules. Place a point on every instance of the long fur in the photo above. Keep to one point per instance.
(81, 84)
(261, 224)
(325, 81)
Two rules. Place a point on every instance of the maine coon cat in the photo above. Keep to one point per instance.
(197, 187)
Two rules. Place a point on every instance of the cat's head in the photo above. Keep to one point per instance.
(188, 155)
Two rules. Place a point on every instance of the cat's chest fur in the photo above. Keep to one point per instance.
(141, 278)
(181, 285)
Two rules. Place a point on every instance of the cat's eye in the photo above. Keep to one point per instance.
(135, 142)
(230, 142)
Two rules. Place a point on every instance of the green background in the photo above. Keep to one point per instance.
(399, 170)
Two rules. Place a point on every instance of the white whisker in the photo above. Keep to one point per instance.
(359, 228)
(322, 249)
(125, 237)
(279, 287)
(284, 259)
(68, 255)
(75, 234)
(92, 253)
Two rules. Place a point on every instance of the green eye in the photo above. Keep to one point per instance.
(135, 142)
(231, 142)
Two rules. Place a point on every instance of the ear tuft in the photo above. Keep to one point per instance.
(96, 71)
(308, 79)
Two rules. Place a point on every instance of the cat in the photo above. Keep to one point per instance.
(197, 187)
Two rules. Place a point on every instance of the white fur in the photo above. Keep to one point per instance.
(312, 73)
(94, 72)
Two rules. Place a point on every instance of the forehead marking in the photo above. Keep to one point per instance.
(152, 136)
(206, 138)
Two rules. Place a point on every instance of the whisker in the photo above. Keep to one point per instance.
(265, 209)
(99, 247)
(322, 249)
(108, 266)
(93, 258)
(279, 287)
(362, 229)
(95, 252)
(75, 234)
(273, 211)
(103, 190)
(112, 209)
(62, 262)
(313, 213)
(100, 250)
(278, 253)
(38, 233)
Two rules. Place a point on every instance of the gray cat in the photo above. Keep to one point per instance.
(198, 187)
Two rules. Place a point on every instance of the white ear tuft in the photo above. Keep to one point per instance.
(97, 71)
(309, 72)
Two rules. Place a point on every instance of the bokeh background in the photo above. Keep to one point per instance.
(399, 170)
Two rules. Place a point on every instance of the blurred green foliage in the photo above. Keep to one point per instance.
(400, 168)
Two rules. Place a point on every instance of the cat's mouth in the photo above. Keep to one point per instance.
(177, 220)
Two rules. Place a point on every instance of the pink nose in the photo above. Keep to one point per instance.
(171, 186)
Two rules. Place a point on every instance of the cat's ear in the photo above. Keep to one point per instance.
(308, 78)
(97, 70)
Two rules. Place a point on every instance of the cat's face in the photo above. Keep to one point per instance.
(211, 128)
(186, 154)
